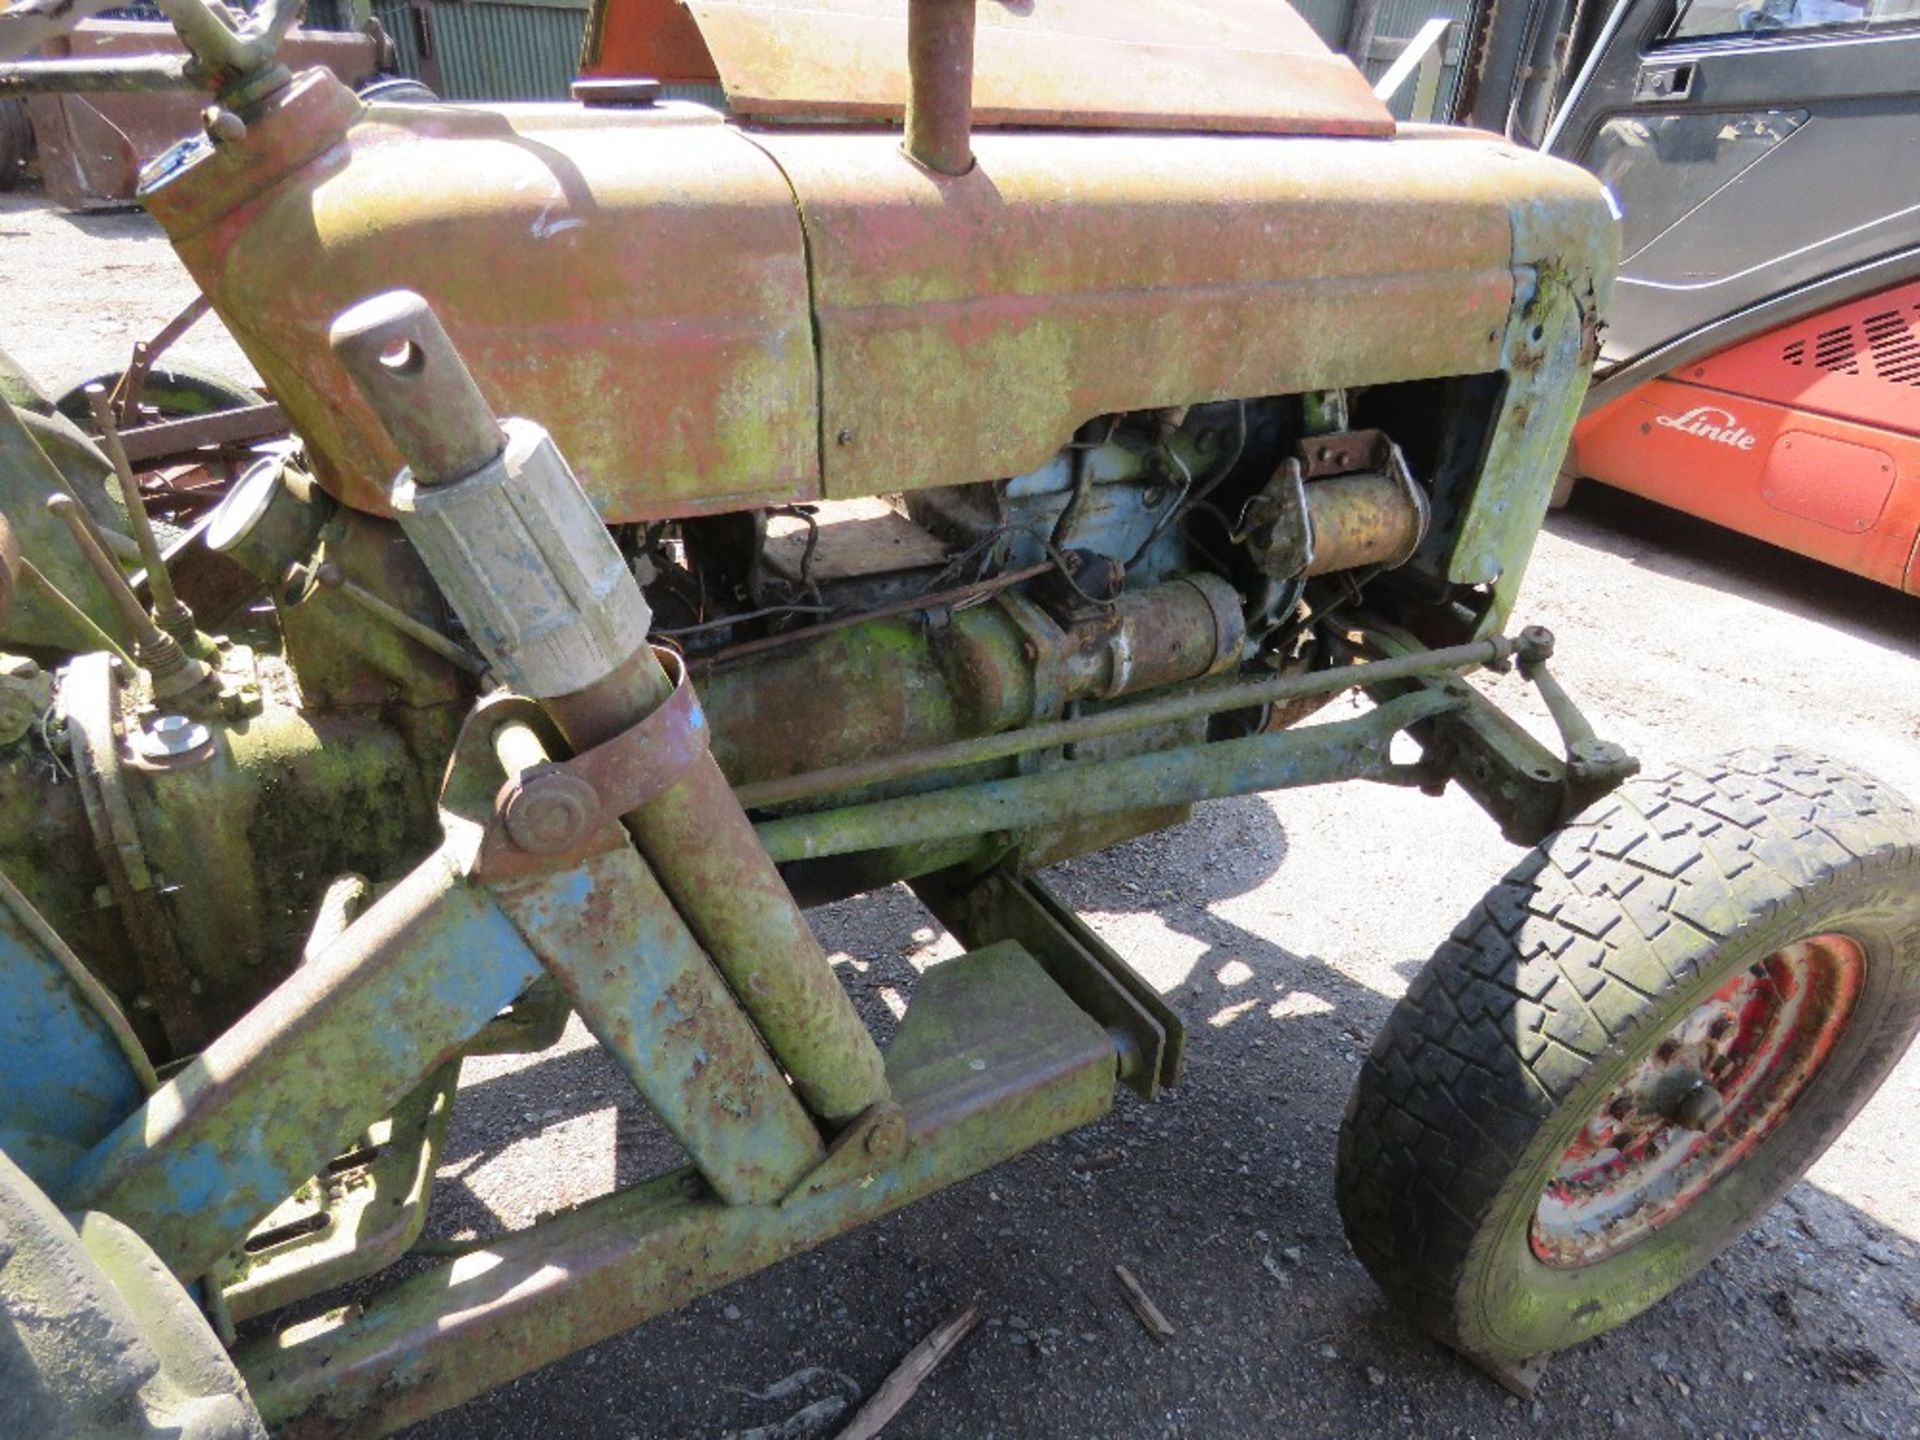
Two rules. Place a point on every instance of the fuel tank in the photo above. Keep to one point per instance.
(709, 316)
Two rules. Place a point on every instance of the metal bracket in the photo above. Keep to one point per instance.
(1045, 645)
(632, 769)
(1522, 784)
(1149, 1036)
(1594, 766)
(1275, 524)
(549, 816)
(1280, 527)
(359, 1214)
(876, 1140)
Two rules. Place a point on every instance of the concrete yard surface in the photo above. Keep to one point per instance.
(1283, 929)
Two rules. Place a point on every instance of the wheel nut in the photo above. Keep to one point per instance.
(1699, 1108)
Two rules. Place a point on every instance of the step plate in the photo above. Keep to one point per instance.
(1003, 906)
(985, 1025)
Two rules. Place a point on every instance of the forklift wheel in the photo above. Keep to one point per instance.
(1632, 1047)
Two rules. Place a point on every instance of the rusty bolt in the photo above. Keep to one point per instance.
(223, 126)
(845, 437)
(551, 812)
(887, 1138)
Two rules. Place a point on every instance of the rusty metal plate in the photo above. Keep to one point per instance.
(91, 147)
(1236, 65)
(966, 326)
(633, 278)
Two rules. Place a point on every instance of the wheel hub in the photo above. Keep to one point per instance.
(1712, 1089)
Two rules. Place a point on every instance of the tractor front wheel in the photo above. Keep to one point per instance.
(1631, 1048)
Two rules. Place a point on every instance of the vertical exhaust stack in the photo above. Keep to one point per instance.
(940, 84)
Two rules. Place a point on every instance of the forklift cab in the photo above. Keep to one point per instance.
(1761, 363)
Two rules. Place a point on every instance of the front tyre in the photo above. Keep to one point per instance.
(1632, 1046)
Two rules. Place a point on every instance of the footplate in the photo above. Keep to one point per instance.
(1000, 905)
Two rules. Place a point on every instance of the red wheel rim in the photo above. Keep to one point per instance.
(1716, 1085)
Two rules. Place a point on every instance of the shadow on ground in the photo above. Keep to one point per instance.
(1653, 537)
(1219, 1199)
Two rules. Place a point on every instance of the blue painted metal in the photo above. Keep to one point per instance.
(329, 1052)
(630, 966)
(70, 1069)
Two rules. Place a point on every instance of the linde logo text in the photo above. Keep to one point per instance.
(1708, 423)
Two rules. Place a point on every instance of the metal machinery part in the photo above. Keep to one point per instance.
(1363, 509)
(943, 609)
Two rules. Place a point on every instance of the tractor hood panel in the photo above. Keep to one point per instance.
(635, 280)
(966, 326)
(709, 318)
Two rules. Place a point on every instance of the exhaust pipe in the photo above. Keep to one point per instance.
(940, 84)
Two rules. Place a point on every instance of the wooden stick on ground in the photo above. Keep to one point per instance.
(1157, 1324)
(899, 1387)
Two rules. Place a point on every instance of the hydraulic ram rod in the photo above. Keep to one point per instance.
(526, 562)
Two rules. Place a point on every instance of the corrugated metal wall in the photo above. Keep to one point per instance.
(479, 50)
(529, 49)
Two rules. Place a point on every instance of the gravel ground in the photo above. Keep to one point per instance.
(1283, 929)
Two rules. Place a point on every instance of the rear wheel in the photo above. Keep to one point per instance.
(98, 1341)
(170, 392)
(1640, 1038)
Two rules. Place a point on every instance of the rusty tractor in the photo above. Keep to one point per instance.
(998, 429)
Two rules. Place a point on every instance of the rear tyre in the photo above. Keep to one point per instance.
(172, 391)
(97, 1338)
(1631, 1048)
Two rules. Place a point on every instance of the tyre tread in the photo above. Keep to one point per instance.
(1559, 962)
